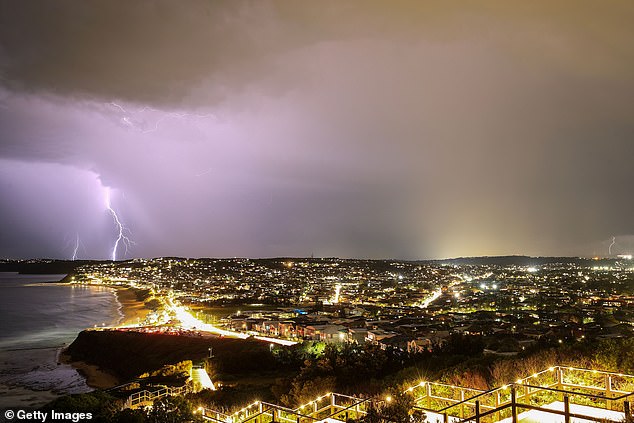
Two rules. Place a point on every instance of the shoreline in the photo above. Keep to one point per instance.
(131, 312)
(131, 309)
(36, 370)
(95, 377)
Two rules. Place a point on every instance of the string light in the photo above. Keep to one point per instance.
(431, 385)
(242, 410)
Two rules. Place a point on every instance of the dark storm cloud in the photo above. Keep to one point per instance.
(158, 51)
(367, 128)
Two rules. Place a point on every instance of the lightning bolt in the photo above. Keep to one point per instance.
(139, 124)
(76, 247)
(611, 245)
(204, 172)
(122, 236)
(115, 105)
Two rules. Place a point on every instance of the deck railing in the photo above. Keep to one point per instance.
(147, 397)
(567, 385)
(560, 392)
(332, 405)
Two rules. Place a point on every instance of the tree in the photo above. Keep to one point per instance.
(101, 405)
(303, 391)
(172, 409)
(615, 355)
(129, 416)
(459, 344)
(395, 407)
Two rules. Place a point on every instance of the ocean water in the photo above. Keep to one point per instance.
(37, 320)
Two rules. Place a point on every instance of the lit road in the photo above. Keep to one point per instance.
(434, 296)
(284, 342)
(188, 321)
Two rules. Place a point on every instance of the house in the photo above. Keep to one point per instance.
(326, 333)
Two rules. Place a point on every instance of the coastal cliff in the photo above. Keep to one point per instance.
(127, 354)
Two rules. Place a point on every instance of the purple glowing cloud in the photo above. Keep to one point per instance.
(282, 128)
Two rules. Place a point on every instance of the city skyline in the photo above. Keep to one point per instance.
(268, 129)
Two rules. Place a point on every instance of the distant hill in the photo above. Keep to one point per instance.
(49, 266)
(42, 267)
(517, 260)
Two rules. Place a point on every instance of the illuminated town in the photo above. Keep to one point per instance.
(409, 305)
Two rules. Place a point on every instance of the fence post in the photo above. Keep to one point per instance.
(566, 409)
(428, 393)
(445, 419)
(560, 380)
(608, 390)
(273, 415)
(513, 405)
(477, 411)
(627, 412)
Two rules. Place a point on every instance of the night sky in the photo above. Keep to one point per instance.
(376, 129)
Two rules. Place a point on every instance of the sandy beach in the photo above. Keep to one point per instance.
(134, 311)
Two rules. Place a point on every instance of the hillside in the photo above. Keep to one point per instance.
(128, 354)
